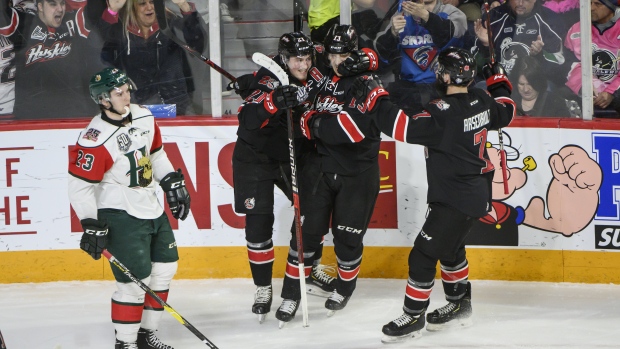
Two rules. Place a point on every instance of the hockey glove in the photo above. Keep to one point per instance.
(176, 194)
(359, 61)
(285, 97)
(306, 123)
(367, 89)
(497, 81)
(242, 85)
(95, 237)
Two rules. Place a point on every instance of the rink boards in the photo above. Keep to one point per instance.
(39, 232)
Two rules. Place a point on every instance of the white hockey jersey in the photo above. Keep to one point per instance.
(118, 166)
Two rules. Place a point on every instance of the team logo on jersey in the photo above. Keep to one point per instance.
(269, 82)
(249, 203)
(123, 142)
(604, 64)
(38, 34)
(510, 51)
(92, 134)
(441, 104)
(145, 172)
(140, 172)
(423, 56)
(40, 53)
(329, 104)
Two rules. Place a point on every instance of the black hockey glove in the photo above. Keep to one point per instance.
(366, 89)
(242, 85)
(497, 81)
(176, 194)
(289, 96)
(359, 61)
(95, 237)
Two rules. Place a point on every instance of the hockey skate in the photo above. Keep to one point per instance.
(319, 283)
(336, 302)
(456, 313)
(148, 340)
(262, 302)
(287, 311)
(125, 345)
(404, 327)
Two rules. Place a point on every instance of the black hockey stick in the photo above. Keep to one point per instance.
(2, 342)
(502, 153)
(161, 302)
(160, 12)
(273, 67)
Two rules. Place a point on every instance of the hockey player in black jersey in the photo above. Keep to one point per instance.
(340, 181)
(261, 155)
(454, 131)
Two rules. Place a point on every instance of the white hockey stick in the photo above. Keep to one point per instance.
(274, 68)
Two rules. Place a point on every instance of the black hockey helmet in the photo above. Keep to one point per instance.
(295, 44)
(458, 63)
(341, 38)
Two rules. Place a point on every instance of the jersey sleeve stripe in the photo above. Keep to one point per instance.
(81, 23)
(84, 178)
(10, 29)
(400, 126)
(350, 128)
(508, 101)
(157, 141)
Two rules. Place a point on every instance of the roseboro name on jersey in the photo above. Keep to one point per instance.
(118, 167)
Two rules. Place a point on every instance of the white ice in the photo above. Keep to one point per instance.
(76, 315)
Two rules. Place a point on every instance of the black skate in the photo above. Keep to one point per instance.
(319, 283)
(148, 340)
(287, 311)
(404, 327)
(125, 345)
(336, 302)
(452, 314)
(262, 302)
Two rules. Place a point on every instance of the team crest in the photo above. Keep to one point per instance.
(92, 134)
(123, 142)
(249, 203)
(441, 104)
(269, 82)
(145, 172)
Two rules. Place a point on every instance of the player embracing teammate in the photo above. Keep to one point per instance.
(454, 131)
(261, 155)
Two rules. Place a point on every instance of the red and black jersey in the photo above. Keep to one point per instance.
(261, 124)
(53, 65)
(454, 131)
(347, 138)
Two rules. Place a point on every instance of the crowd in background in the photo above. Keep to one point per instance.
(50, 48)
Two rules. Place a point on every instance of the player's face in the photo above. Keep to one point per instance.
(51, 12)
(120, 97)
(522, 7)
(335, 59)
(145, 12)
(299, 66)
(599, 12)
(527, 92)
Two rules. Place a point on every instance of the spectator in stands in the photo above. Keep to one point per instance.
(52, 60)
(323, 14)
(153, 61)
(568, 14)
(531, 95)
(605, 45)
(415, 36)
(519, 29)
(471, 8)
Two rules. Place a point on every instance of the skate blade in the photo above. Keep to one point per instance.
(281, 324)
(331, 313)
(457, 323)
(317, 291)
(261, 318)
(398, 339)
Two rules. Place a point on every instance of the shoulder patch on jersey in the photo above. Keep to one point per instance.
(124, 142)
(269, 82)
(440, 103)
(92, 134)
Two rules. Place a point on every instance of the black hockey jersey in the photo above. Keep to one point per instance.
(262, 125)
(347, 138)
(454, 131)
(53, 65)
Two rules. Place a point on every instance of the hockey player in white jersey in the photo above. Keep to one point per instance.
(113, 172)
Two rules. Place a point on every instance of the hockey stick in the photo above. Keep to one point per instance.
(298, 16)
(502, 152)
(161, 302)
(160, 12)
(273, 67)
(2, 342)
